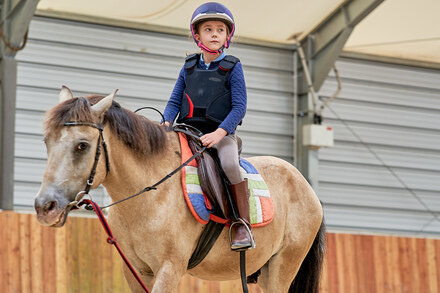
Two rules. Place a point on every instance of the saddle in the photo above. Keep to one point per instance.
(221, 209)
(212, 178)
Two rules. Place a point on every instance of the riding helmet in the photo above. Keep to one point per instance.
(212, 11)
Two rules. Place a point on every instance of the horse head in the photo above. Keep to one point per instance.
(71, 154)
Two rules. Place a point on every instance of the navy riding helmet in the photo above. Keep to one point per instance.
(213, 11)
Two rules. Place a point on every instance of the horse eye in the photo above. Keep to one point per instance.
(82, 146)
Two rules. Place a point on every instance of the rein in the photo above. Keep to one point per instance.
(154, 186)
(89, 204)
(101, 140)
(112, 240)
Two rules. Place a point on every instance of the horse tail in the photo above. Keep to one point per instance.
(309, 274)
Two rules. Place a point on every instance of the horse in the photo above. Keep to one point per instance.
(156, 230)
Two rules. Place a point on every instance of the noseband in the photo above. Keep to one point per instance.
(89, 183)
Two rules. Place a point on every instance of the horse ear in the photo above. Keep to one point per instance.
(65, 94)
(103, 105)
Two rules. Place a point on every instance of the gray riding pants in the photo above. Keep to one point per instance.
(227, 150)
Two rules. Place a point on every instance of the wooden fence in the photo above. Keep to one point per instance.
(76, 258)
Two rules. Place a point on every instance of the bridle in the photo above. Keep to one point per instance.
(91, 204)
(101, 140)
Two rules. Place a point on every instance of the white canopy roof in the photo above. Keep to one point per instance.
(405, 29)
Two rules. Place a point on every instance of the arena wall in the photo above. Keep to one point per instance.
(77, 258)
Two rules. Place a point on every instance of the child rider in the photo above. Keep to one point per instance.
(210, 94)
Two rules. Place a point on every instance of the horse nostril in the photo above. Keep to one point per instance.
(49, 206)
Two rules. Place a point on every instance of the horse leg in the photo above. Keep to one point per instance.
(133, 284)
(168, 277)
(295, 262)
(278, 273)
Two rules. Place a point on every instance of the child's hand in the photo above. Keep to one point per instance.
(211, 139)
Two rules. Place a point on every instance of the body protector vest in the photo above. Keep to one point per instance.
(206, 99)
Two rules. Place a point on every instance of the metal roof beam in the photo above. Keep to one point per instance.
(322, 46)
(324, 43)
(14, 22)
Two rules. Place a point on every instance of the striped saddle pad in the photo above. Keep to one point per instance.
(260, 203)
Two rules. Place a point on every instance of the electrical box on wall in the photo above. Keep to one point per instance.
(317, 136)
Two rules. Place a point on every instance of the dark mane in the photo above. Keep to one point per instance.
(137, 132)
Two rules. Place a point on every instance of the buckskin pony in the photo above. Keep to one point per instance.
(156, 230)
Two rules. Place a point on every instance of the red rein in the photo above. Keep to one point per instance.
(112, 240)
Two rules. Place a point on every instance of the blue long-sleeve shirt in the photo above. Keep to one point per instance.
(238, 95)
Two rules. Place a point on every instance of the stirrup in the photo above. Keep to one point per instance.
(240, 221)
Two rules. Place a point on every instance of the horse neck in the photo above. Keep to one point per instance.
(131, 172)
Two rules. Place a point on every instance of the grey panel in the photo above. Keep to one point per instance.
(385, 73)
(356, 218)
(402, 157)
(385, 114)
(28, 122)
(30, 146)
(395, 110)
(433, 226)
(101, 60)
(87, 81)
(354, 175)
(268, 123)
(269, 101)
(266, 144)
(383, 94)
(29, 170)
(144, 66)
(38, 99)
(368, 196)
(386, 135)
(58, 31)
(24, 194)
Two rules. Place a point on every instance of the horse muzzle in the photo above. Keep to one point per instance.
(51, 210)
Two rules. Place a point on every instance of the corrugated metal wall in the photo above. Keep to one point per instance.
(144, 66)
(395, 111)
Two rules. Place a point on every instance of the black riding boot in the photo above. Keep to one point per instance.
(241, 239)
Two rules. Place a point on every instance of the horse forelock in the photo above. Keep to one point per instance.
(137, 132)
(76, 109)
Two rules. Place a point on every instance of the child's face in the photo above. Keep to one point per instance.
(212, 34)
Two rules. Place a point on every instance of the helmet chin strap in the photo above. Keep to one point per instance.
(207, 50)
